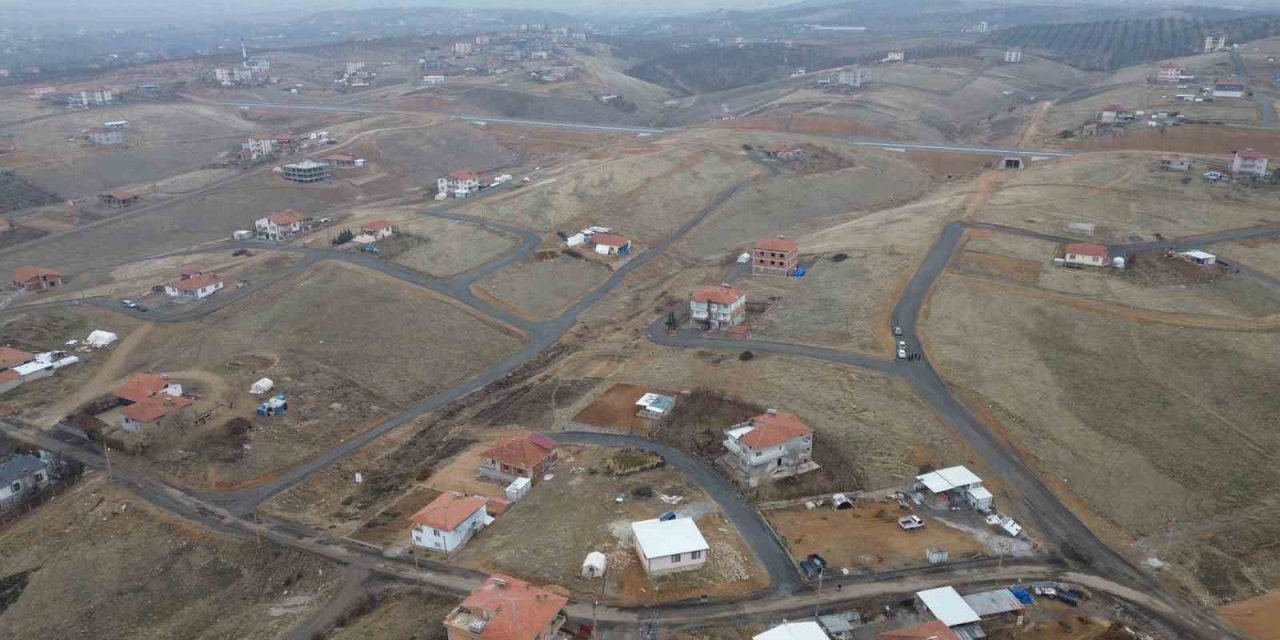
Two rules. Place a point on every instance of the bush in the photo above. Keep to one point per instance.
(746, 355)
(840, 257)
(344, 237)
(642, 491)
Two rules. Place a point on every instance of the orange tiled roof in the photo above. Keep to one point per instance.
(785, 245)
(515, 609)
(448, 510)
(523, 450)
(288, 216)
(10, 357)
(932, 630)
(195, 282)
(722, 294)
(27, 273)
(155, 407)
(773, 429)
(141, 386)
(1088, 249)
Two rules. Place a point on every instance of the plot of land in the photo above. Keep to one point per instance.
(1263, 255)
(544, 288)
(575, 513)
(1135, 416)
(400, 614)
(422, 155)
(451, 247)
(616, 409)
(1257, 617)
(113, 566)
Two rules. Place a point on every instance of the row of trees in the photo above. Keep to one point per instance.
(1118, 43)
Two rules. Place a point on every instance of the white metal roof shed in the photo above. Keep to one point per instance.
(947, 606)
(659, 539)
(944, 480)
(991, 603)
(808, 630)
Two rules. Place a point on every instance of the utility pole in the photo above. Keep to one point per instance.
(595, 602)
(822, 571)
(106, 454)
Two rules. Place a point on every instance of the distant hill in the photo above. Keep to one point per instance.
(1118, 43)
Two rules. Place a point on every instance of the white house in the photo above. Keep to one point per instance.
(432, 81)
(669, 546)
(379, 229)
(718, 307)
(279, 225)
(1249, 163)
(807, 630)
(21, 476)
(1231, 87)
(1086, 253)
(956, 483)
(850, 77)
(196, 286)
(449, 521)
(459, 184)
(611, 244)
(135, 417)
(768, 447)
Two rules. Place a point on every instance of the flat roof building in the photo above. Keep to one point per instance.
(307, 171)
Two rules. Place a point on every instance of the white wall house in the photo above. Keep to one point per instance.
(459, 183)
(449, 521)
(1088, 254)
(1249, 163)
(196, 287)
(768, 447)
(669, 546)
(718, 307)
(21, 476)
(279, 225)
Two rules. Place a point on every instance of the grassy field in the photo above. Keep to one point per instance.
(1256, 254)
(422, 155)
(406, 613)
(451, 247)
(1135, 418)
(543, 288)
(112, 566)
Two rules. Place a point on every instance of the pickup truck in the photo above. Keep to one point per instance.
(910, 522)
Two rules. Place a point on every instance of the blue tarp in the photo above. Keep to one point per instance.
(798, 272)
(1023, 595)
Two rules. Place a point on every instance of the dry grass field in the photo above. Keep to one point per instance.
(1259, 254)
(113, 566)
(405, 613)
(543, 288)
(1135, 414)
(451, 247)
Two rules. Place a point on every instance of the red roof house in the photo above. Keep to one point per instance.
(504, 608)
(35, 279)
(524, 455)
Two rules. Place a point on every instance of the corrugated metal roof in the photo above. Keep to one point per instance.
(991, 603)
(947, 479)
(808, 630)
(659, 538)
(947, 606)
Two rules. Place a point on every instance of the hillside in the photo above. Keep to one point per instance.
(1118, 43)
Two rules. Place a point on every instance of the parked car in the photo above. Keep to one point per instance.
(1214, 176)
(129, 304)
(670, 515)
(910, 522)
(902, 354)
(897, 331)
(902, 344)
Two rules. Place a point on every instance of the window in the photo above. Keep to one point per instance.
(436, 532)
(39, 477)
(675, 558)
(694, 555)
(15, 487)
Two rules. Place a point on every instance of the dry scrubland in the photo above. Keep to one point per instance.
(1137, 418)
(1121, 193)
(424, 154)
(543, 288)
(438, 247)
(306, 334)
(644, 193)
(112, 566)
(1150, 97)
(405, 613)
(1262, 255)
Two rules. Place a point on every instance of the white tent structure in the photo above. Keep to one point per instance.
(594, 565)
(261, 386)
(99, 338)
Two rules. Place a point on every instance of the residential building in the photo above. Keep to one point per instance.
(1087, 254)
(807, 630)
(1013, 56)
(432, 81)
(1175, 163)
(504, 608)
(669, 546)
(897, 55)
(718, 307)
(103, 135)
(785, 151)
(307, 172)
(946, 605)
(118, 199)
(1215, 42)
(141, 386)
(774, 256)
(1114, 113)
(611, 244)
(222, 75)
(1170, 73)
(655, 406)
(22, 476)
(261, 146)
(279, 225)
(379, 229)
(955, 484)
(524, 455)
(931, 630)
(768, 447)
(1196, 256)
(37, 93)
(354, 66)
(459, 184)
(1249, 163)
(850, 77)
(151, 411)
(461, 49)
(85, 98)
(258, 65)
(1231, 87)
(34, 279)
(10, 357)
(449, 521)
(195, 287)
(340, 160)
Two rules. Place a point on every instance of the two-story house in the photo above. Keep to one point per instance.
(379, 229)
(449, 521)
(152, 411)
(774, 256)
(36, 279)
(459, 184)
(1249, 163)
(718, 308)
(279, 225)
(504, 608)
(141, 386)
(524, 455)
(21, 476)
(195, 286)
(767, 447)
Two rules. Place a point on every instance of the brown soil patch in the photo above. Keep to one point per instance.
(951, 166)
(867, 536)
(805, 123)
(459, 474)
(996, 265)
(1258, 618)
(1188, 139)
(615, 409)
(391, 525)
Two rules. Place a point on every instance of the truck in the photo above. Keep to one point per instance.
(909, 523)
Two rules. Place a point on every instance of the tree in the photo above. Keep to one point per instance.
(671, 320)
(344, 237)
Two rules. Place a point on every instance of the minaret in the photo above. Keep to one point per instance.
(244, 53)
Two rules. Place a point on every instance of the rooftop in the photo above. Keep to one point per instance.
(785, 245)
(141, 386)
(119, 194)
(155, 407)
(504, 608)
(11, 357)
(374, 225)
(610, 239)
(947, 606)
(19, 466)
(196, 282)
(1250, 154)
(463, 174)
(722, 294)
(522, 450)
(931, 630)
(26, 273)
(661, 538)
(288, 216)
(771, 429)
(306, 164)
(449, 510)
(991, 603)
(807, 630)
(1088, 249)
(947, 479)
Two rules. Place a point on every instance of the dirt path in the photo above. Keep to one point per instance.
(984, 187)
(1125, 312)
(102, 382)
(1035, 118)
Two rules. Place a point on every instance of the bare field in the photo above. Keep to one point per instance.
(1257, 254)
(575, 514)
(406, 613)
(1123, 196)
(642, 195)
(424, 154)
(113, 566)
(1207, 140)
(544, 288)
(1135, 417)
(451, 247)
(1257, 617)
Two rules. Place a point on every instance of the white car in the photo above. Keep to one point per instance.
(902, 354)
(902, 344)
(910, 522)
